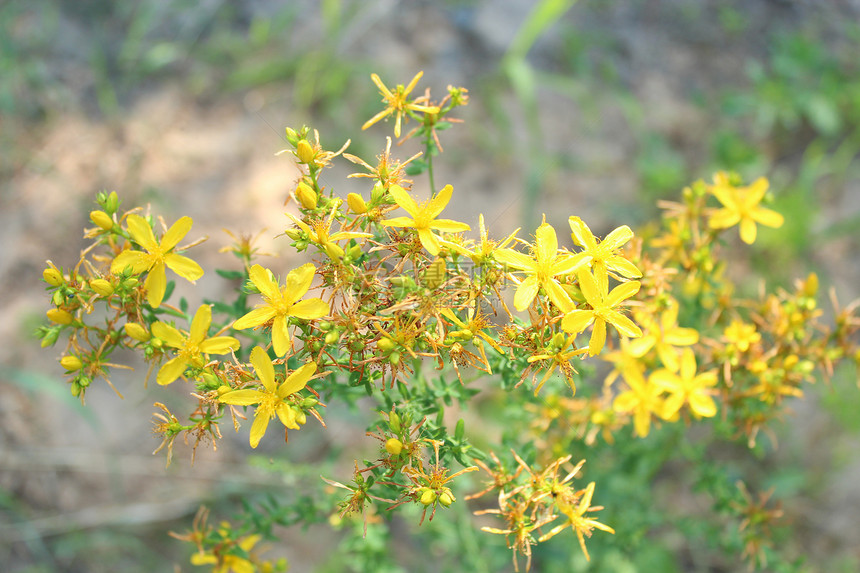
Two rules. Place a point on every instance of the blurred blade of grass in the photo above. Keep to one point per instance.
(521, 75)
(35, 383)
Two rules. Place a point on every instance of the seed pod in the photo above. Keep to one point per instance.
(393, 446)
(428, 497)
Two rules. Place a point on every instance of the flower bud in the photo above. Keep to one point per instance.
(71, 363)
(332, 337)
(294, 234)
(301, 417)
(428, 497)
(304, 151)
(59, 316)
(76, 389)
(394, 422)
(292, 136)
(101, 219)
(102, 287)
(394, 358)
(309, 402)
(50, 337)
(446, 499)
(58, 298)
(223, 389)
(112, 202)
(394, 446)
(306, 196)
(52, 276)
(136, 331)
(356, 203)
(377, 192)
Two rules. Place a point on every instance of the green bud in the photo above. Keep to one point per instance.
(394, 422)
(76, 389)
(292, 136)
(58, 298)
(112, 202)
(84, 381)
(309, 402)
(394, 358)
(446, 499)
(386, 344)
(332, 337)
(376, 193)
(101, 287)
(50, 337)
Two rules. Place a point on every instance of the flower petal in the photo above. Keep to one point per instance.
(598, 337)
(582, 235)
(156, 285)
(621, 293)
(168, 334)
(404, 200)
(526, 293)
(287, 416)
(175, 233)
(258, 428)
(171, 370)
(219, 345)
(183, 266)
(200, 324)
(623, 324)
(702, 405)
(141, 232)
(137, 260)
(514, 259)
(449, 226)
(280, 336)
(256, 317)
(297, 380)
(264, 283)
(298, 282)
(546, 244)
(748, 230)
(246, 397)
(263, 367)
(429, 241)
(577, 320)
(588, 286)
(438, 203)
(617, 238)
(767, 217)
(310, 308)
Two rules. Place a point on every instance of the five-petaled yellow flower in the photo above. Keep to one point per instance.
(602, 311)
(271, 401)
(603, 256)
(283, 303)
(542, 267)
(397, 102)
(741, 205)
(642, 399)
(157, 255)
(319, 233)
(424, 216)
(663, 335)
(192, 347)
(687, 387)
(578, 520)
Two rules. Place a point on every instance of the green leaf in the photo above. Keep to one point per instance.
(230, 274)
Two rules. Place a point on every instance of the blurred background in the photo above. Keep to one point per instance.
(593, 108)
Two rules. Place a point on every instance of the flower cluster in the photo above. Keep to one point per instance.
(388, 296)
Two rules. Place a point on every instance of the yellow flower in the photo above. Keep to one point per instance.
(318, 233)
(663, 336)
(741, 335)
(270, 401)
(157, 255)
(642, 400)
(397, 102)
(687, 387)
(229, 563)
(192, 347)
(486, 248)
(578, 520)
(602, 311)
(424, 216)
(741, 205)
(603, 255)
(541, 268)
(283, 303)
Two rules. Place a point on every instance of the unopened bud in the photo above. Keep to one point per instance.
(101, 219)
(112, 202)
(385, 344)
(71, 363)
(356, 203)
(52, 276)
(304, 151)
(309, 402)
(306, 196)
(294, 234)
(332, 337)
(59, 316)
(292, 136)
(377, 192)
(58, 298)
(394, 358)
(136, 331)
(394, 422)
(76, 389)
(301, 417)
(50, 337)
(102, 287)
